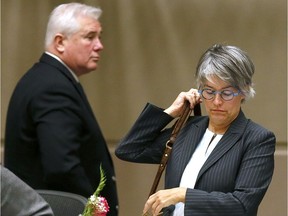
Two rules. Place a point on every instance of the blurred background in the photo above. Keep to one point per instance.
(151, 48)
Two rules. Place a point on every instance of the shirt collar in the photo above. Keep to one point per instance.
(56, 57)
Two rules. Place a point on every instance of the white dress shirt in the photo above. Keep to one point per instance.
(202, 152)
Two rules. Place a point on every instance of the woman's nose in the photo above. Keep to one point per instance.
(217, 99)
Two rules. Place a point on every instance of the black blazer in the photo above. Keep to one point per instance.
(52, 139)
(234, 178)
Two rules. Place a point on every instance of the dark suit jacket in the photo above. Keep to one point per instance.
(234, 178)
(52, 139)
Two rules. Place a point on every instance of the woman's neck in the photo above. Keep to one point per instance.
(217, 130)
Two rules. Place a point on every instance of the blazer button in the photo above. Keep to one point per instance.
(113, 178)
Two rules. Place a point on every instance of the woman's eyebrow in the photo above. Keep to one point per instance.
(221, 88)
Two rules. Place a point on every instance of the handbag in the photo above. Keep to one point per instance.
(168, 149)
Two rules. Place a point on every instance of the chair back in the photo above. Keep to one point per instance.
(64, 203)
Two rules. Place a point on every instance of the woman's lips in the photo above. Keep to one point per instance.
(217, 111)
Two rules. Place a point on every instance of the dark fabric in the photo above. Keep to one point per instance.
(234, 178)
(19, 199)
(53, 140)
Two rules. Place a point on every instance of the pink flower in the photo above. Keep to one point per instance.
(97, 205)
(100, 214)
(101, 207)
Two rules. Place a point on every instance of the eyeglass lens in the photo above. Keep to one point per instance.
(209, 94)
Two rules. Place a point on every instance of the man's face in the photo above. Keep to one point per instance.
(81, 50)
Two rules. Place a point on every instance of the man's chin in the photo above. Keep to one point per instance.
(92, 68)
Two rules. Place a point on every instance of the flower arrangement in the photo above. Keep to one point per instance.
(97, 205)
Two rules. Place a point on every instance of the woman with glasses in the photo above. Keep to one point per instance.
(222, 163)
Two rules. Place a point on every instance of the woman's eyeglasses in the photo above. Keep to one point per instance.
(226, 95)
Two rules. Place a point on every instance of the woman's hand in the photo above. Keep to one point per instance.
(192, 96)
(164, 198)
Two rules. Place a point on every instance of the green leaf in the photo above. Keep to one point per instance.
(102, 182)
(88, 211)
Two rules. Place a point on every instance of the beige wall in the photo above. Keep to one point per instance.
(151, 50)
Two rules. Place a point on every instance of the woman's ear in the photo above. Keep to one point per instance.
(243, 98)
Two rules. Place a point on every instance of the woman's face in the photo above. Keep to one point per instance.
(221, 113)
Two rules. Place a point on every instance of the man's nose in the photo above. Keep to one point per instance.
(98, 45)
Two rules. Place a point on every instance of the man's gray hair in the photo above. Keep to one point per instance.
(64, 19)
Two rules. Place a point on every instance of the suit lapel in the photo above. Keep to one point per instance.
(61, 68)
(84, 97)
(230, 138)
(182, 152)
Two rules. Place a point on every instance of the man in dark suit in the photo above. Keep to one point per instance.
(53, 140)
(221, 164)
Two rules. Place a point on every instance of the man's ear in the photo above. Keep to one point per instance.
(59, 42)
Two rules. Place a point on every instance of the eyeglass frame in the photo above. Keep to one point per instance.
(220, 92)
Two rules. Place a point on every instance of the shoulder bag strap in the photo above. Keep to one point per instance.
(179, 124)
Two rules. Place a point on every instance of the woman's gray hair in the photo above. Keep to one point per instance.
(64, 19)
(230, 64)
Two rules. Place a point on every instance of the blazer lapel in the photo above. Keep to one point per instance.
(182, 152)
(84, 97)
(229, 139)
(59, 66)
